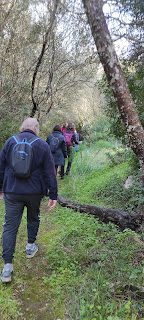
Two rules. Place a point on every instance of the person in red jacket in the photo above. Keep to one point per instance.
(25, 192)
(64, 126)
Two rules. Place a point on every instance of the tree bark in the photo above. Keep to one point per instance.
(120, 218)
(115, 77)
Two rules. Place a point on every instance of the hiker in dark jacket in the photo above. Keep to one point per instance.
(21, 192)
(59, 152)
(70, 150)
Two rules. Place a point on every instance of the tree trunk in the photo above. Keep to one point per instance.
(120, 218)
(115, 77)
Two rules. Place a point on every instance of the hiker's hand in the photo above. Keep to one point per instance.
(1, 195)
(52, 204)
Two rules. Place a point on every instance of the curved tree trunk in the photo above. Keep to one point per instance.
(115, 77)
(120, 218)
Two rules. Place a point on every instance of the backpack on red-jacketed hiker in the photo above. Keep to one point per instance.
(68, 137)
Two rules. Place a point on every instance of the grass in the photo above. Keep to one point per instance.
(88, 261)
(84, 270)
(95, 181)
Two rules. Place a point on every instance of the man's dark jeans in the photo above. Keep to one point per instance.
(14, 206)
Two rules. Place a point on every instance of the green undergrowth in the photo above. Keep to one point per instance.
(94, 179)
(97, 269)
(84, 269)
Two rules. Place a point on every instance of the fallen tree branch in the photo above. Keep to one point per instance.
(120, 218)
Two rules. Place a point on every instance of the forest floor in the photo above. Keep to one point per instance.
(84, 269)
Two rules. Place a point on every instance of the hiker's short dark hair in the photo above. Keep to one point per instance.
(57, 128)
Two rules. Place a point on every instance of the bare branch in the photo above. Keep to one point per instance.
(52, 19)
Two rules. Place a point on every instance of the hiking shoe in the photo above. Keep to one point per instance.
(6, 273)
(67, 173)
(31, 250)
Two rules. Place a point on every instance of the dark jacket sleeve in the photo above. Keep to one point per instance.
(49, 138)
(64, 148)
(3, 162)
(49, 174)
(74, 139)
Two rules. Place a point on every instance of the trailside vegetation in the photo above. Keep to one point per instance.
(85, 268)
(115, 77)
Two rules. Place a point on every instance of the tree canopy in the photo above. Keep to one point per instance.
(50, 67)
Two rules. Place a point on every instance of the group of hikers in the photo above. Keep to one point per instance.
(28, 168)
(63, 142)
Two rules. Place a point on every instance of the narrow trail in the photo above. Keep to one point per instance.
(37, 301)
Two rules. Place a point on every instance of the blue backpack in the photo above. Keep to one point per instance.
(21, 157)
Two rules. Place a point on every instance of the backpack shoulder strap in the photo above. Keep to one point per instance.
(33, 140)
(16, 138)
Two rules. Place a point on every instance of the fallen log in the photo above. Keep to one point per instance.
(120, 218)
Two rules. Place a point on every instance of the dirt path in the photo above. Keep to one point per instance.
(37, 300)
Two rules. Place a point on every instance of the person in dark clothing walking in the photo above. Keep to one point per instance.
(71, 140)
(21, 192)
(58, 148)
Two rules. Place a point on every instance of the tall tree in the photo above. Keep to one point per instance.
(115, 76)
